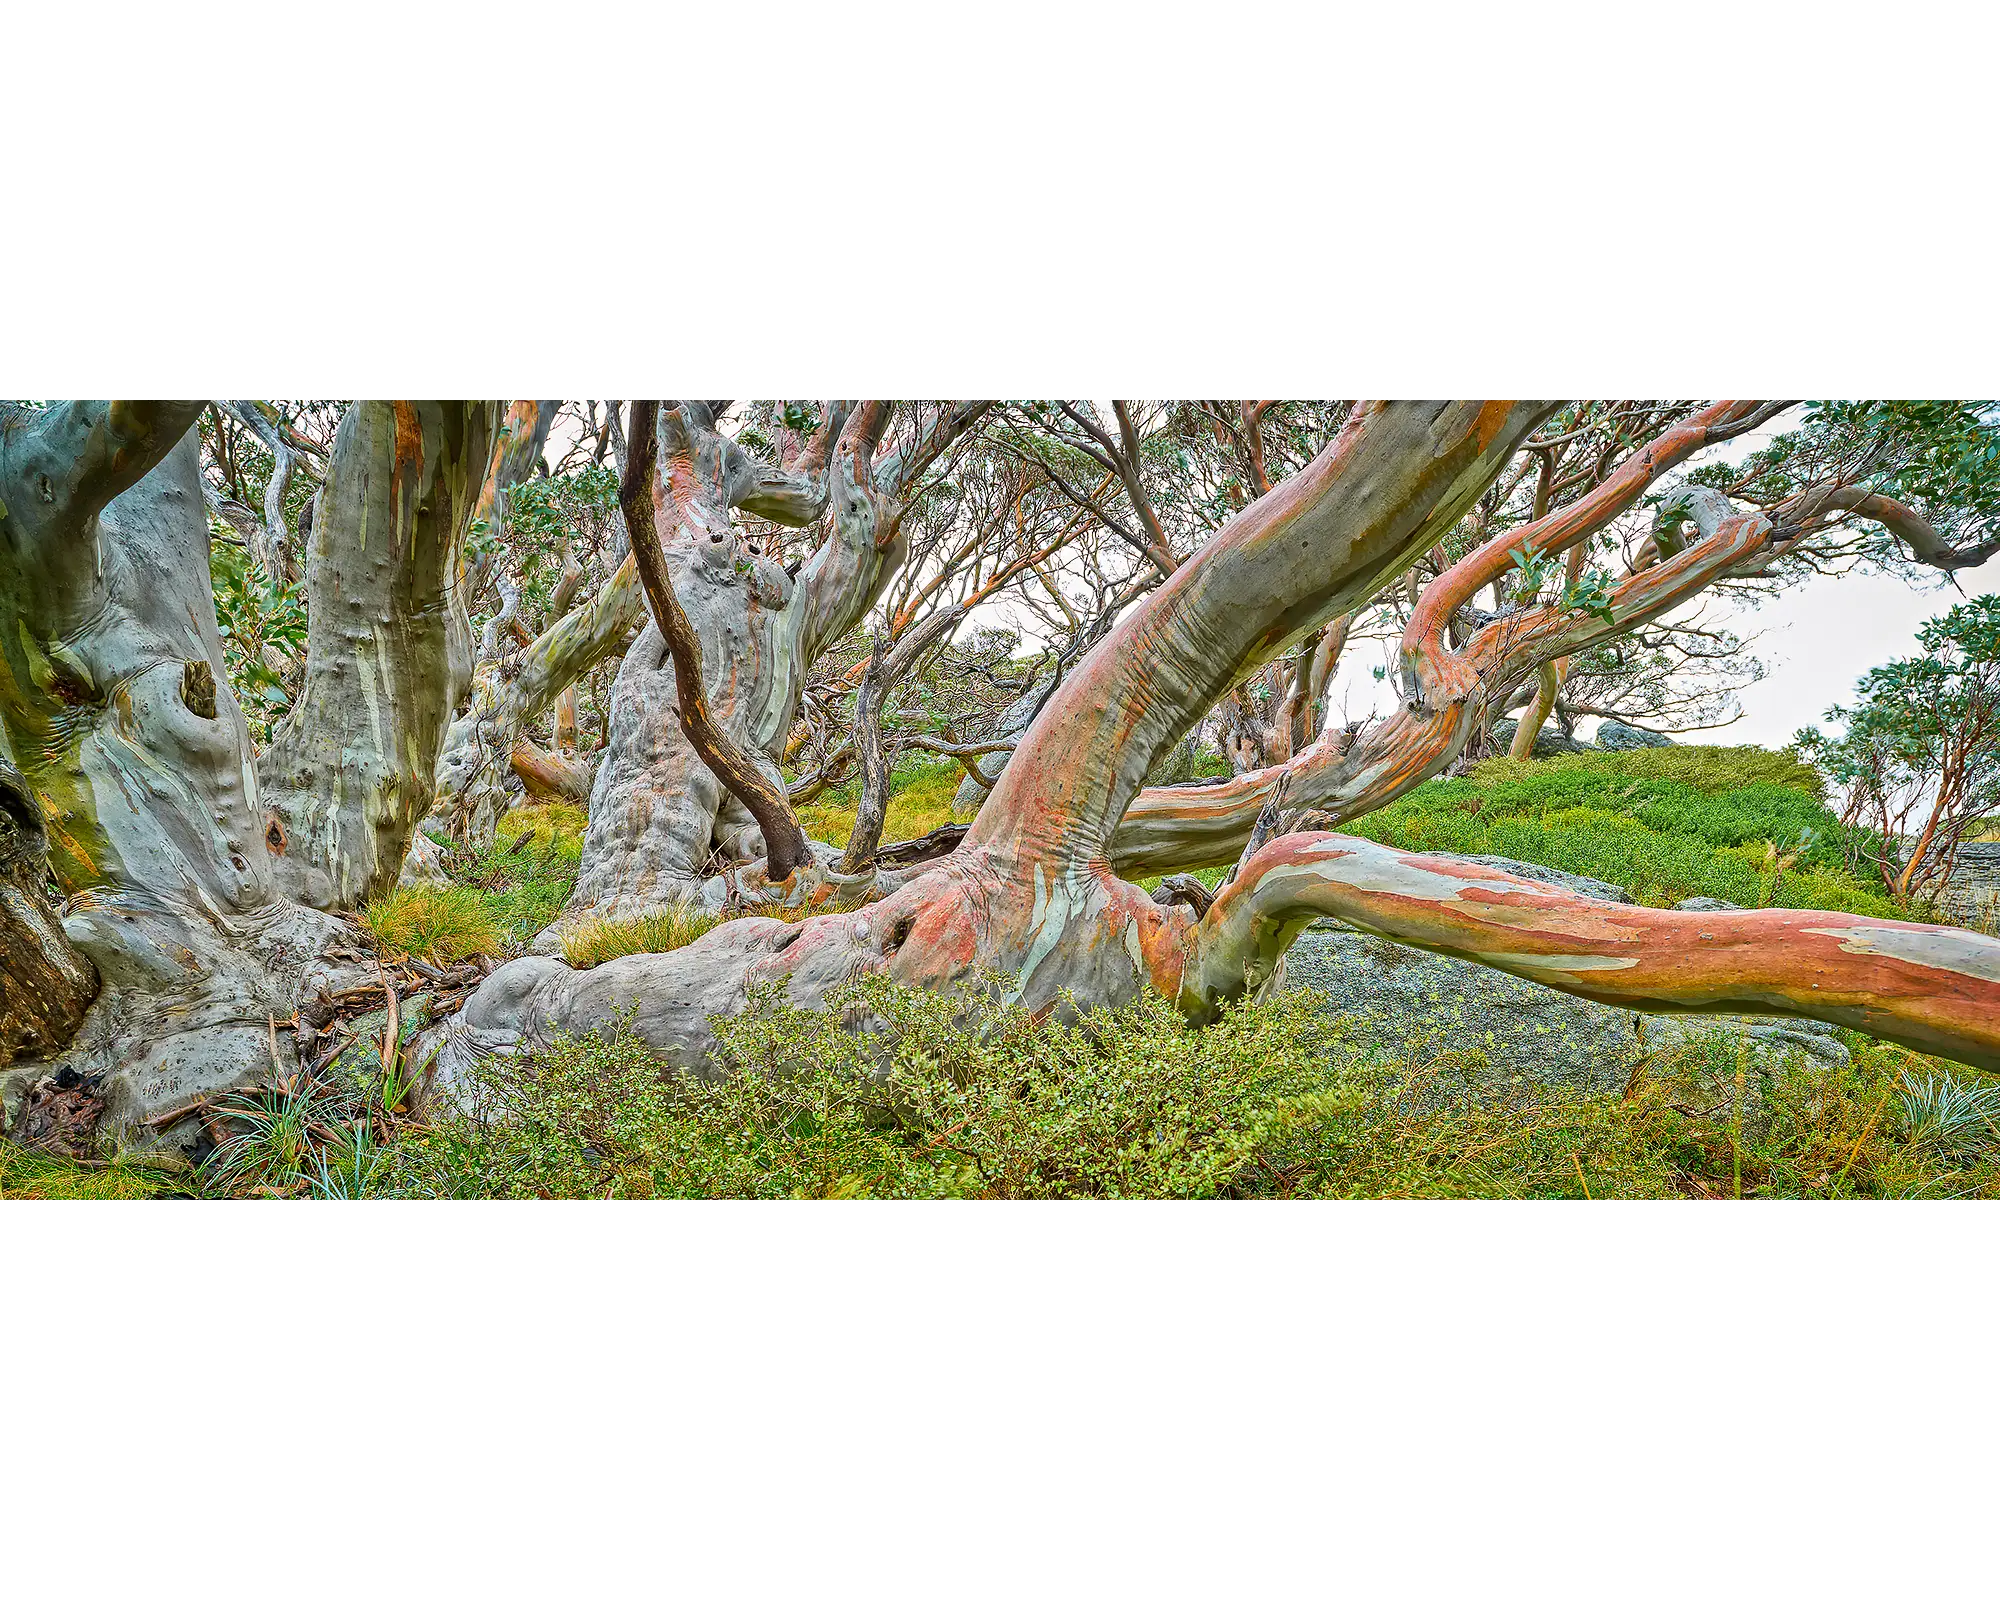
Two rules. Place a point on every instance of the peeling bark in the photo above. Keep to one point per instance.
(352, 769)
(120, 718)
(1935, 989)
(1029, 894)
(45, 984)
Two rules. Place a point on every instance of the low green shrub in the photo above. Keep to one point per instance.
(928, 1096)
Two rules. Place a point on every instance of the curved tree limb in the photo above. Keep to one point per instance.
(1394, 481)
(784, 840)
(1934, 989)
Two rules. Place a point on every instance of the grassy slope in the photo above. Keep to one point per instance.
(1664, 824)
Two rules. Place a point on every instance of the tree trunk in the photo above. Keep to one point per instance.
(1548, 684)
(45, 985)
(511, 696)
(660, 824)
(352, 769)
(120, 718)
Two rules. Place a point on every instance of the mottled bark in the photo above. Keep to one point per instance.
(45, 983)
(1028, 893)
(119, 716)
(661, 826)
(511, 695)
(352, 769)
(1448, 693)
(547, 775)
(274, 548)
(1935, 989)
(1548, 684)
(760, 793)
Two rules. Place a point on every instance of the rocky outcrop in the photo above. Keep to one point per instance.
(1972, 893)
(1622, 736)
(1547, 743)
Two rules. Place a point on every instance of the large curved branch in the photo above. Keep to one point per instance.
(1444, 596)
(1394, 481)
(1934, 989)
(1925, 543)
(784, 840)
(1179, 829)
(79, 455)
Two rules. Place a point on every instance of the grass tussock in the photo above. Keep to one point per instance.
(524, 878)
(1745, 825)
(30, 1175)
(596, 940)
(438, 925)
(920, 795)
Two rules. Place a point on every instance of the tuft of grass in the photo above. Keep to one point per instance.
(440, 926)
(525, 876)
(597, 940)
(1940, 1110)
(30, 1175)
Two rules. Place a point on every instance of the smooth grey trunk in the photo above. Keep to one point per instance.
(118, 713)
(512, 695)
(352, 769)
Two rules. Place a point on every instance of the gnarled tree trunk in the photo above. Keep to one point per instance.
(120, 717)
(45, 984)
(352, 769)
(662, 827)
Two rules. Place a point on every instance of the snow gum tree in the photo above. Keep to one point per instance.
(188, 874)
(1035, 893)
(352, 769)
(118, 716)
